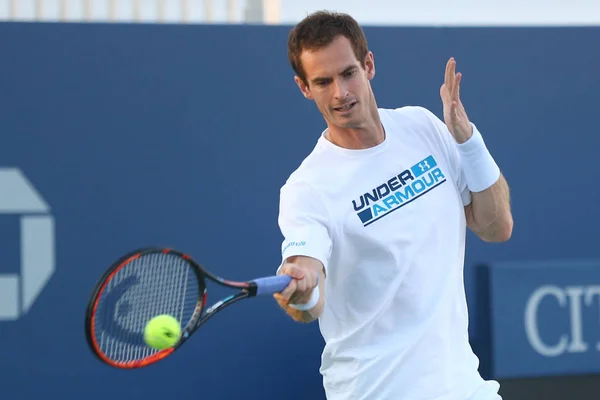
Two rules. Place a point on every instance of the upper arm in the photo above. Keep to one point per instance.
(304, 224)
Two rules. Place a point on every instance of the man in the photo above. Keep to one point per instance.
(374, 221)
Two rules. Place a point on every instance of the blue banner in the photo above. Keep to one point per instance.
(117, 136)
(543, 317)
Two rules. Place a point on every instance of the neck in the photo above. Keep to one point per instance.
(369, 134)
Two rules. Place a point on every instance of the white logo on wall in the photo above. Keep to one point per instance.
(571, 298)
(18, 292)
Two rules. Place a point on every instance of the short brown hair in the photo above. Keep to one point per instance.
(318, 30)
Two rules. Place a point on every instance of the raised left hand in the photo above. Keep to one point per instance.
(455, 116)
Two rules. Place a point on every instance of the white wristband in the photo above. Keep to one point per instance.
(477, 163)
(314, 299)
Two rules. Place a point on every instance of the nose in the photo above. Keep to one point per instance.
(341, 89)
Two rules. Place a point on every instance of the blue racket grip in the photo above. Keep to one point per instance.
(272, 284)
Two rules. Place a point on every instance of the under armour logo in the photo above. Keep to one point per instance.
(424, 166)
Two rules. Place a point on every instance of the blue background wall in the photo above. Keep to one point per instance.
(183, 135)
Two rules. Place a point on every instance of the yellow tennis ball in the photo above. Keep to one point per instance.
(162, 332)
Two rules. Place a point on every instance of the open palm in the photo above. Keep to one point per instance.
(455, 116)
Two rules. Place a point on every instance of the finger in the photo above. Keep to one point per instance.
(304, 288)
(446, 98)
(289, 290)
(279, 298)
(309, 282)
(457, 86)
(305, 285)
(300, 297)
(293, 271)
(300, 293)
(449, 78)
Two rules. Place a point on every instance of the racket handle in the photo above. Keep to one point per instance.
(272, 284)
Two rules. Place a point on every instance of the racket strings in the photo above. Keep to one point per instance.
(151, 285)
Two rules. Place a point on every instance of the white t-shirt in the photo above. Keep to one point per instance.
(389, 226)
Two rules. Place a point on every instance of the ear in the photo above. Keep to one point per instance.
(303, 88)
(370, 65)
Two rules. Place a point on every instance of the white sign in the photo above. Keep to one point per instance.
(18, 292)
(572, 299)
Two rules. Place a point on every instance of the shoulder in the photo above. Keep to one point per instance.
(421, 122)
(299, 201)
(309, 173)
(413, 115)
(301, 180)
(302, 192)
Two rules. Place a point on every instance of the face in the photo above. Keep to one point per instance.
(338, 83)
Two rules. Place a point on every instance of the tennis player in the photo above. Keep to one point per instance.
(374, 221)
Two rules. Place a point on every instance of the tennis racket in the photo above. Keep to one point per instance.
(150, 282)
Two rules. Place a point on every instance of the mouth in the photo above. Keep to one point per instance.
(345, 107)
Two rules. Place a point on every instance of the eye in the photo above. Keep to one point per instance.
(350, 73)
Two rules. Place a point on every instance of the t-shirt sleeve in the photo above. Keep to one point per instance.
(452, 156)
(304, 223)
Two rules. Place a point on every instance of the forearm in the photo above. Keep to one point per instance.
(489, 214)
